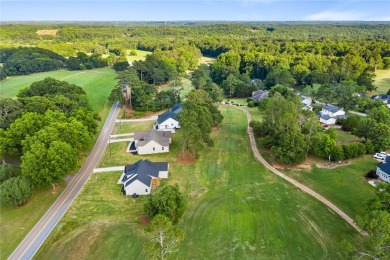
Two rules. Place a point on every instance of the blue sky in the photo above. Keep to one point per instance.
(179, 10)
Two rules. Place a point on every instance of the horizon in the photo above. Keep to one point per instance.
(191, 11)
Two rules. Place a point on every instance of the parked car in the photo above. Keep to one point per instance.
(384, 154)
(379, 156)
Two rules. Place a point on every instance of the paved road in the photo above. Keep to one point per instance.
(294, 182)
(42, 229)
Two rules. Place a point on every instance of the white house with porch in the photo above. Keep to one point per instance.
(141, 177)
(150, 142)
(167, 122)
(383, 170)
(329, 114)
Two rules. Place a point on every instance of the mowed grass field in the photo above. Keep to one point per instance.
(15, 223)
(345, 186)
(236, 210)
(141, 55)
(97, 83)
(382, 81)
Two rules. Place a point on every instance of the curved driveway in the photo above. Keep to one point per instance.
(46, 224)
(294, 182)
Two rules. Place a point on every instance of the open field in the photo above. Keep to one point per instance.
(236, 209)
(346, 138)
(206, 60)
(186, 83)
(256, 114)
(47, 32)
(344, 186)
(382, 82)
(125, 127)
(141, 55)
(97, 83)
(15, 223)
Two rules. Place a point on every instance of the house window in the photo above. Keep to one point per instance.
(166, 126)
(146, 190)
(154, 149)
(162, 148)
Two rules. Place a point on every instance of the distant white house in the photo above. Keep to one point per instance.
(307, 101)
(150, 142)
(141, 177)
(383, 170)
(384, 98)
(260, 95)
(329, 114)
(167, 122)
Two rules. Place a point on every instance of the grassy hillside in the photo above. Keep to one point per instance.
(97, 83)
(382, 81)
(236, 209)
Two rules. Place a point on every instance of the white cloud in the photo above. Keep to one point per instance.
(334, 16)
(379, 18)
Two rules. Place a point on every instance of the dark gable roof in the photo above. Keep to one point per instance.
(259, 94)
(383, 97)
(387, 160)
(168, 114)
(331, 108)
(161, 137)
(177, 108)
(385, 167)
(143, 170)
(145, 179)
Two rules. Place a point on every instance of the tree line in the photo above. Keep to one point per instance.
(49, 124)
(28, 60)
(292, 133)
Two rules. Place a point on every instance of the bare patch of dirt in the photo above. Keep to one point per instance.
(185, 158)
(47, 32)
(144, 219)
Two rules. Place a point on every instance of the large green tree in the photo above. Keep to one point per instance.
(163, 239)
(167, 201)
(10, 110)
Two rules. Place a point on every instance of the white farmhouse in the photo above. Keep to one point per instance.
(383, 170)
(150, 142)
(329, 114)
(141, 177)
(167, 121)
(307, 101)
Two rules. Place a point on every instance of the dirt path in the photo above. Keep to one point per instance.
(294, 182)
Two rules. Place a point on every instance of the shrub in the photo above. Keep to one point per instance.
(133, 53)
(15, 191)
(372, 174)
(337, 153)
(369, 147)
(7, 172)
(251, 104)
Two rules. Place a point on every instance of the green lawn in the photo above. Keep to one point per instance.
(236, 210)
(125, 127)
(346, 138)
(256, 114)
(97, 83)
(344, 186)
(186, 83)
(141, 55)
(15, 223)
(382, 81)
